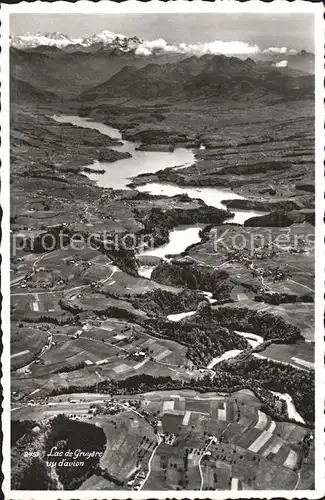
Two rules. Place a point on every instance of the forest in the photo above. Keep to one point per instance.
(43, 453)
(66, 434)
(247, 320)
(260, 375)
(204, 341)
(266, 374)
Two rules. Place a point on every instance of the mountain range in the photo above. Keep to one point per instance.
(22, 92)
(68, 74)
(56, 39)
(111, 65)
(118, 44)
(205, 77)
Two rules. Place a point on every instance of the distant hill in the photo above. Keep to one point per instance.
(302, 61)
(108, 72)
(68, 74)
(105, 38)
(207, 76)
(121, 45)
(24, 93)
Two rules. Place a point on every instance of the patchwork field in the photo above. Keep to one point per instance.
(301, 355)
(32, 306)
(270, 260)
(130, 443)
(55, 270)
(42, 282)
(84, 321)
(25, 343)
(213, 442)
(96, 351)
(307, 473)
(205, 441)
(98, 483)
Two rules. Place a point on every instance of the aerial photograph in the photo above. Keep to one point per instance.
(162, 216)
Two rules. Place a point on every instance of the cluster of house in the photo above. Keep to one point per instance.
(138, 479)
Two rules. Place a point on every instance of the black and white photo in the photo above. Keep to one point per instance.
(163, 198)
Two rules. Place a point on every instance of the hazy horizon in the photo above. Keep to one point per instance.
(295, 31)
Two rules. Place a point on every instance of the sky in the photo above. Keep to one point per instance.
(295, 31)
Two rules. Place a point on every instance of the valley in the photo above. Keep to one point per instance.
(162, 271)
(183, 440)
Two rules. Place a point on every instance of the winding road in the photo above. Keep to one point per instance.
(67, 290)
(150, 460)
(212, 440)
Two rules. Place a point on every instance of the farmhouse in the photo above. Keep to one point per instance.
(140, 354)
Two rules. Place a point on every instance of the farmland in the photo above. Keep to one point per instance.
(99, 350)
(130, 442)
(264, 253)
(187, 440)
(177, 405)
(300, 355)
(26, 342)
(56, 269)
(229, 439)
(98, 483)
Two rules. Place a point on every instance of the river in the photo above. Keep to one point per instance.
(292, 412)
(211, 196)
(118, 174)
(178, 241)
(253, 339)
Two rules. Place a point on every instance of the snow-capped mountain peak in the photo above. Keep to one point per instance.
(60, 40)
(56, 39)
(118, 44)
(108, 38)
(105, 37)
